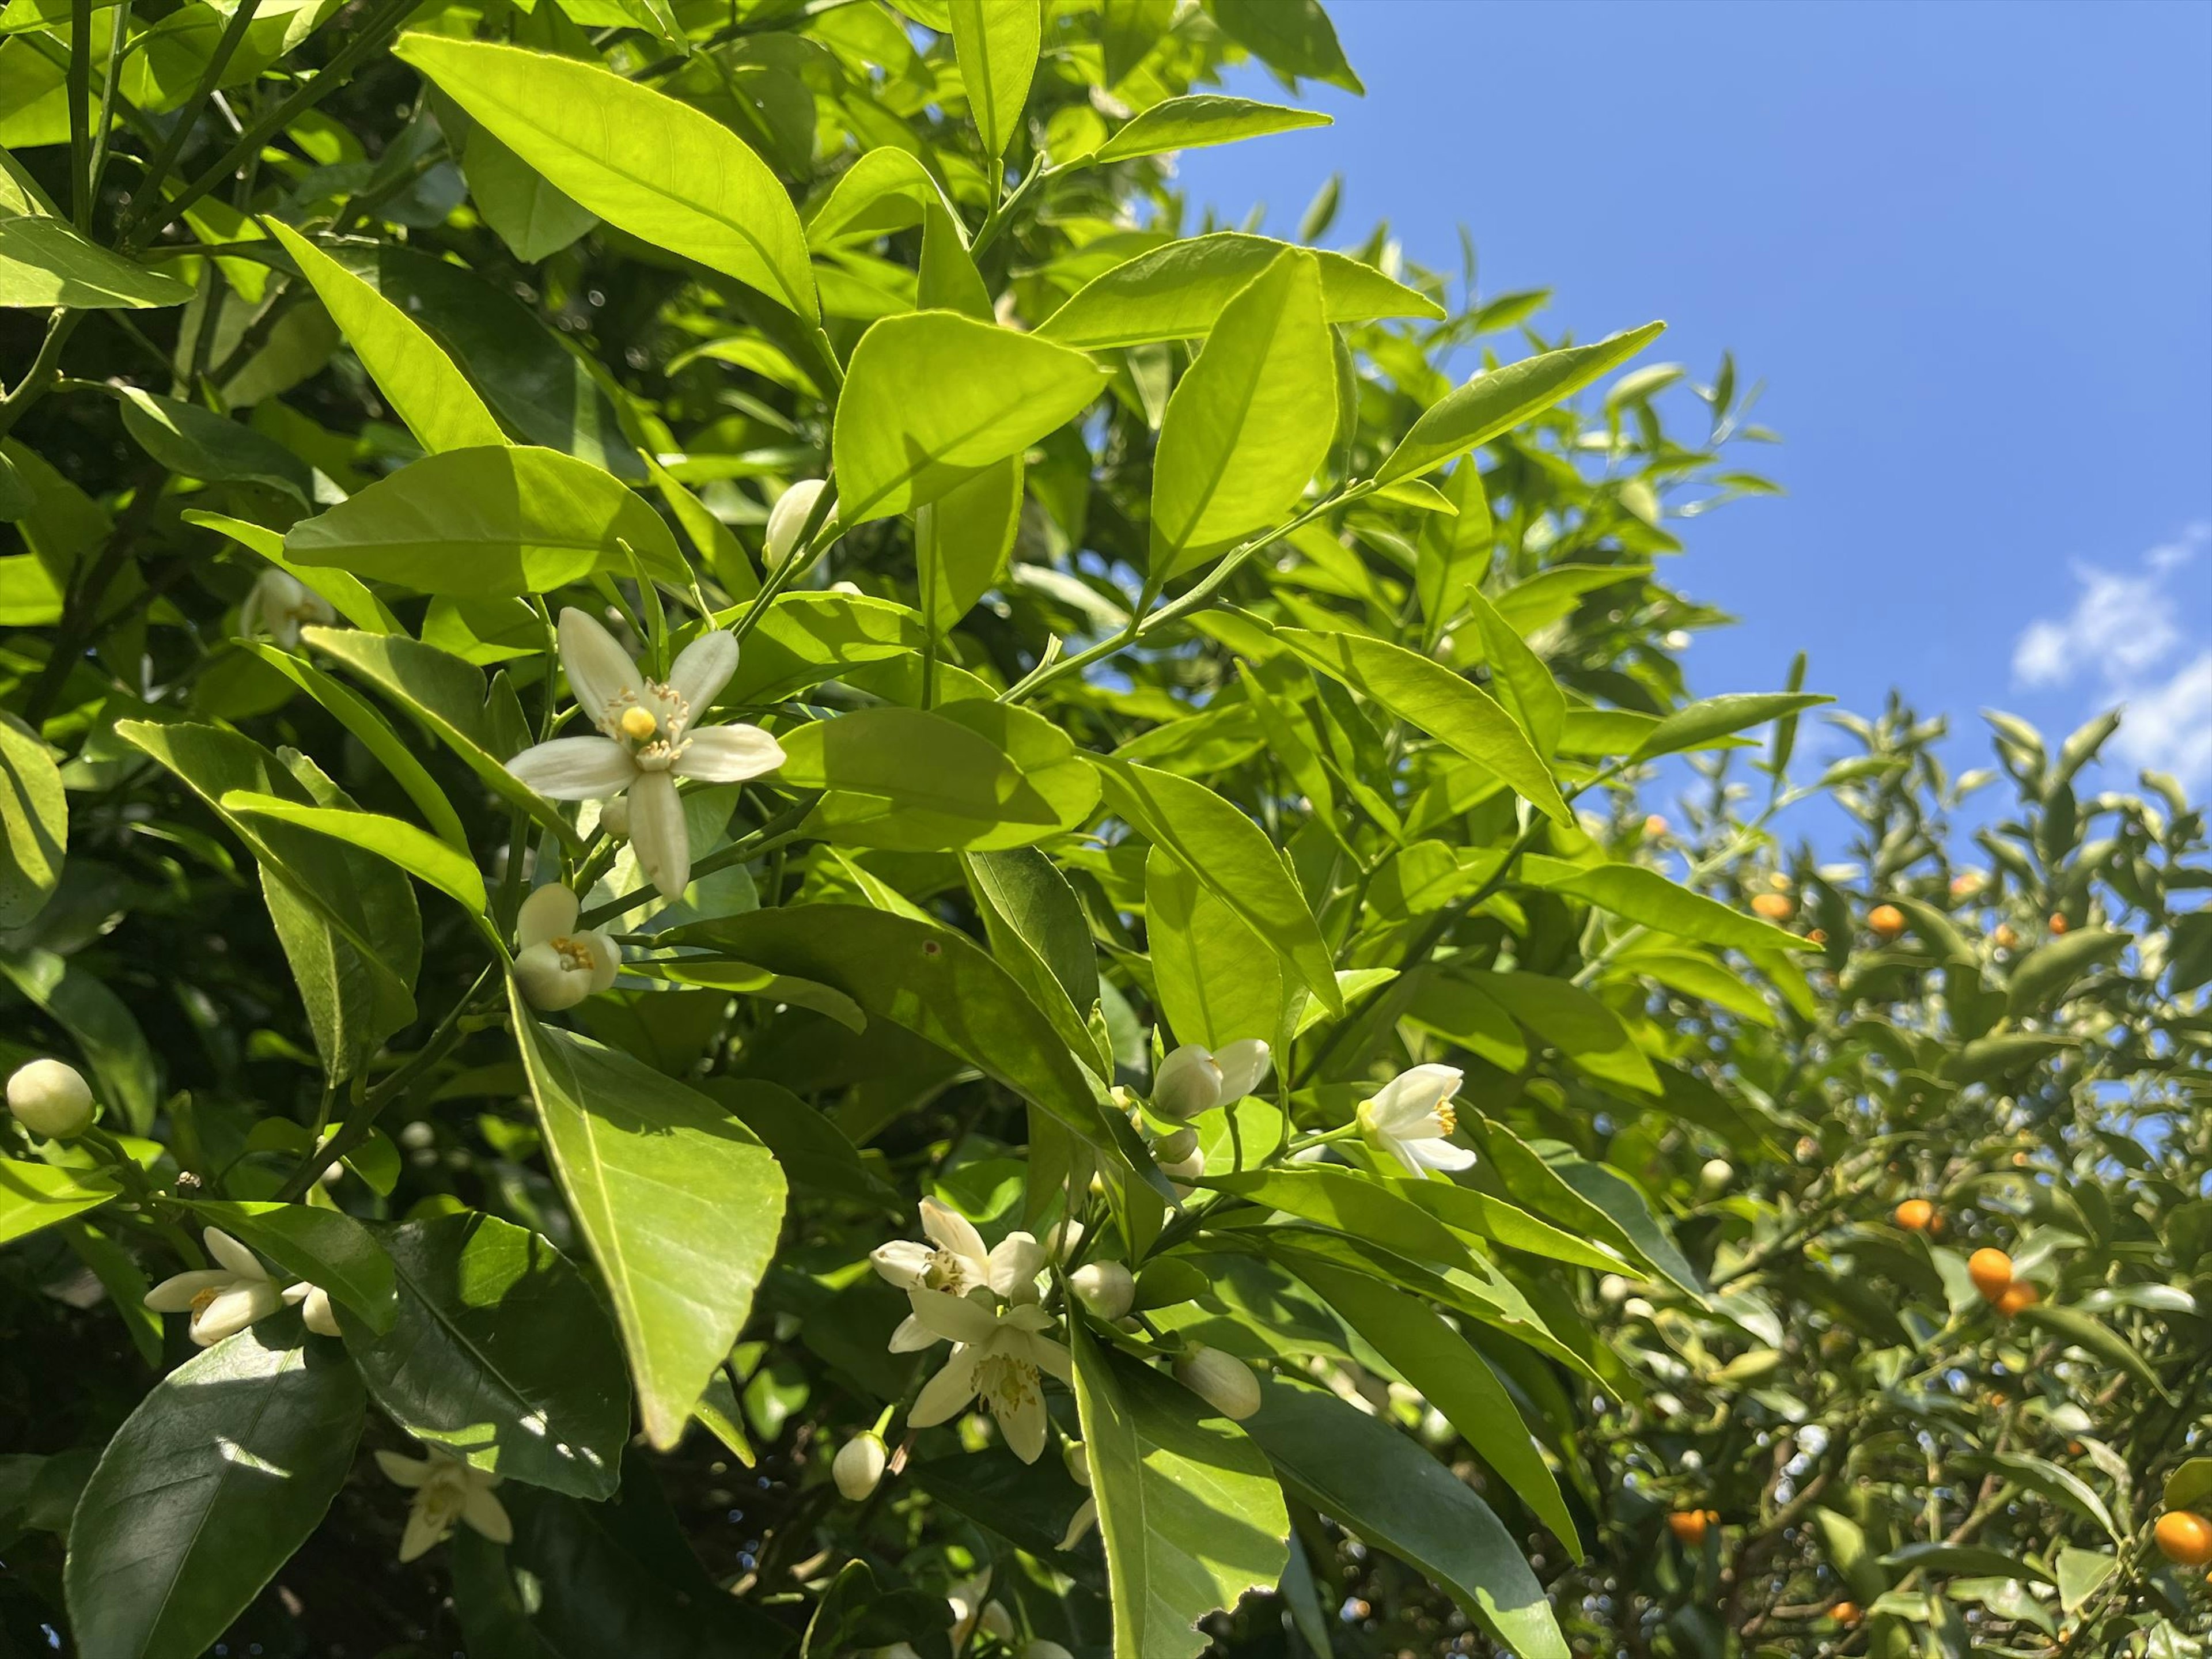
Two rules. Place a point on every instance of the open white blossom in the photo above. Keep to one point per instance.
(315, 1310)
(283, 605)
(1194, 1078)
(223, 1300)
(998, 1357)
(556, 964)
(446, 1489)
(955, 1261)
(645, 740)
(1412, 1117)
(1076, 1456)
(973, 1609)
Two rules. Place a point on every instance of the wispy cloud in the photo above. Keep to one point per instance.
(2141, 638)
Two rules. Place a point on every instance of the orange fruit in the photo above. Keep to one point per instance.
(2058, 922)
(1969, 881)
(2075, 1449)
(1655, 826)
(1775, 907)
(1914, 1215)
(1817, 936)
(1991, 1272)
(2184, 1537)
(1887, 920)
(1845, 1612)
(1689, 1526)
(2006, 939)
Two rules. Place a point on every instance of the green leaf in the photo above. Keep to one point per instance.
(808, 1144)
(37, 1195)
(931, 396)
(1464, 1209)
(1494, 403)
(43, 263)
(1230, 854)
(327, 1248)
(1426, 694)
(1524, 684)
(447, 695)
(1437, 1361)
(1216, 982)
(995, 42)
(2045, 976)
(1191, 1517)
(2094, 1336)
(348, 595)
(1643, 896)
(1940, 1557)
(1179, 291)
(207, 1489)
(2061, 1486)
(1293, 38)
(501, 1354)
(2190, 1486)
(1352, 1204)
(417, 852)
(643, 161)
(34, 824)
(679, 1205)
(2080, 1573)
(974, 776)
(1370, 1478)
(416, 376)
(1699, 723)
(199, 443)
(1200, 119)
(1248, 423)
(100, 1023)
(1036, 929)
(886, 190)
(489, 523)
(535, 217)
(961, 541)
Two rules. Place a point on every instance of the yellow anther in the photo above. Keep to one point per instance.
(1447, 1119)
(637, 723)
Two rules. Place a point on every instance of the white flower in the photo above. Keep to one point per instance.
(999, 1357)
(859, 1465)
(224, 1300)
(314, 1304)
(50, 1098)
(1106, 1287)
(1222, 1380)
(556, 965)
(788, 517)
(446, 1489)
(1076, 1456)
(285, 605)
(956, 1262)
(1062, 1239)
(1412, 1115)
(645, 741)
(1193, 1078)
(972, 1607)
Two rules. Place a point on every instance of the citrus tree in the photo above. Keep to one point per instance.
(782, 880)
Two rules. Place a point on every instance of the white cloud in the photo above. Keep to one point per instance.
(2121, 638)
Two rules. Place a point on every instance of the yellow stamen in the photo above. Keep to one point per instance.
(637, 723)
(203, 1301)
(1447, 1119)
(573, 953)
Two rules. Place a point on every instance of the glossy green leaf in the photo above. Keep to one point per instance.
(34, 824)
(535, 217)
(348, 594)
(326, 1247)
(1178, 292)
(43, 263)
(2092, 1335)
(2188, 1485)
(807, 1143)
(886, 190)
(996, 43)
(1700, 722)
(679, 1204)
(420, 854)
(1200, 119)
(484, 523)
(1191, 1518)
(1216, 982)
(665, 172)
(1038, 932)
(1465, 1210)
(1371, 1478)
(1426, 694)
(501, 1354)
(34, 1196)
(1293, 38)
(1351, 1203)
(2046, 974)
(1643, 896)
(963, 539)
(1248, 423)
(207, 1489)
(1524, 684)
(1494, 403)
(417, 378)
(198, 443)
(932, 396)
(1229, 853)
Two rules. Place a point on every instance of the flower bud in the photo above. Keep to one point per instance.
(614, 817)
(1714, 1177)
(1107, 1288)
(1062, 1239)
(1188, 1083)
(1184, 1169)
(1075, 1458)
(1243, 1067)
(50, 1098)
(859, 1465)
(1222, 1380)
(1612, 1290)
(1042, 1648)
(1175, 1148)
(787, 518)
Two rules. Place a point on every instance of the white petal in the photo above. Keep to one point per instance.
(575, 768)
(947, 1227)
(1023, 1423)
(232, 1254)
(321, 1318)
(1052, 1359)
(1403, 1152)
(903, 1262)
(1015, 1265)
(175, 1294)
(549, 983)
(402, 1470)
(658, 834)
(548, 913)
(1085, 1518)
(912, 1336)
(1187, 1084)
(606, 958)
(487, 1515)
(601, 674)
(233, 1310)
(953, 1316)
(1441, 1154)
(945, 1393)
(701, 669)
(422, 1532)
(1243, 1067)
(729, 754)
(1409, 1098)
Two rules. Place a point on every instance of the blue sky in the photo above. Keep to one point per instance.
(1968, 247)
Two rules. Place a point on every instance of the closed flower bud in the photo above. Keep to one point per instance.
(1062, 1239)
(50, 1098)
(1222, 1380)
(859, 1465)
(1612, 1290)
(1175, 1148)
(614, 817)
(787, 518)
(1713, 1179)
(1107, 1288)
(1188, 1083)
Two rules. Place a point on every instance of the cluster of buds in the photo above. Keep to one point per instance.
(1194, 1079)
